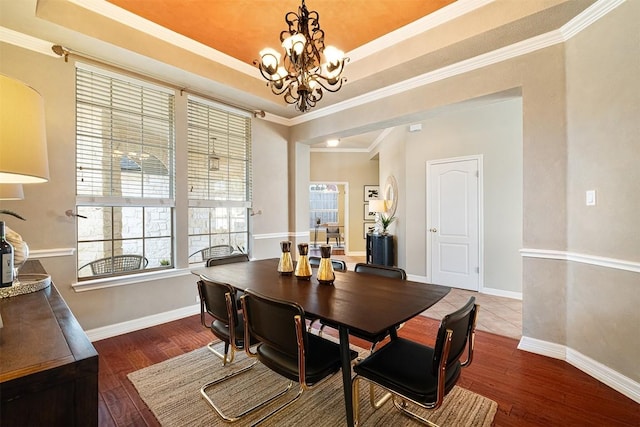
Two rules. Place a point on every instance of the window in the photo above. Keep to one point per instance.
(323, 204)
(125, 174)
(219, 179)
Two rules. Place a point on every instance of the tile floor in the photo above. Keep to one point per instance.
(498, 315)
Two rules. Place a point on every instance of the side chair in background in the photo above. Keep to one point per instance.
(378, 270)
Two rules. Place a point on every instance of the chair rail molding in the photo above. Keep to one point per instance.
(51, 253)
(618, 264)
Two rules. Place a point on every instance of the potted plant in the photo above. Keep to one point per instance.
(386, 222)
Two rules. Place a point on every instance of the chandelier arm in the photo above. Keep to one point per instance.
(331, 88)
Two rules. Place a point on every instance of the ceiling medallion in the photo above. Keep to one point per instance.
(301, 75)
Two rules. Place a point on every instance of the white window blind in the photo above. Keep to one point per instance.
(125, 174)
(125, 138)
(219, 179)
(219, 154)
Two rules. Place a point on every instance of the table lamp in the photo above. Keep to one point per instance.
(23, 141)
(377, 207)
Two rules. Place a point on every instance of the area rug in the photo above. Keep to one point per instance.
(171, 390)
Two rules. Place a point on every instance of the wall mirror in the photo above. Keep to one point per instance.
(391, 195)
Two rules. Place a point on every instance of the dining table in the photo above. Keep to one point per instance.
(355, 301)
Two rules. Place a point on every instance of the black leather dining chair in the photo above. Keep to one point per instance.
(381, 270)
(416, 373)
(338, 264)
(218, 301)
(227, 259)
(285, 346)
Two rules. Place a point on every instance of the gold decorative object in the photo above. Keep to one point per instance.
(326, 275)
(285, 266)
(303, 268)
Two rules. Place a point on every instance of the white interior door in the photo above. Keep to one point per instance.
(453, 222)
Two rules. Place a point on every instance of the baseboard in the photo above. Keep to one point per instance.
(483, 290)
(501, 293)
(593, 368)
(141, 323)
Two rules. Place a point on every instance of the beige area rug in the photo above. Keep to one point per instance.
(171, 389)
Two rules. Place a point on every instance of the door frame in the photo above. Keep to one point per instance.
(428, 195)
(346, 241)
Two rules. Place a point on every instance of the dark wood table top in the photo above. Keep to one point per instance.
(366, 302)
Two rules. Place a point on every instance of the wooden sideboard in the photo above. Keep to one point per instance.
(48, 366)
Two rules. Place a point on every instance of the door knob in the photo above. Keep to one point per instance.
(433, 230)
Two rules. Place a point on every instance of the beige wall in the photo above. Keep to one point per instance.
(575, 135)
(603, 142)
(356, 169)
(493, 130)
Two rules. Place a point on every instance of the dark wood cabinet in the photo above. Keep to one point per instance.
(380, 249)
(48, 366)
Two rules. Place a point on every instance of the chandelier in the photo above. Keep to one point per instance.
(301, 75)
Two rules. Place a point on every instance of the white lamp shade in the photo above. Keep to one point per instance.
(377, 206)
(23, 140)
(11, 192)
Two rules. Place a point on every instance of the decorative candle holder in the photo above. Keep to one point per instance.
(326, 275)
(285, 266)
(303, 268)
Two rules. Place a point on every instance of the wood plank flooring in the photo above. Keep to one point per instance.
(531, 390)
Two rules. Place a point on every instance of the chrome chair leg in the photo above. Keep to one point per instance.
(229, 352)
(233, 418)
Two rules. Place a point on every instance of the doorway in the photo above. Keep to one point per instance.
(454, 212)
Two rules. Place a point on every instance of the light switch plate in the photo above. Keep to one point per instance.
(591, 197)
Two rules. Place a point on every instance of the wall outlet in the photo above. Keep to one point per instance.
(197, 298)
(591, 198)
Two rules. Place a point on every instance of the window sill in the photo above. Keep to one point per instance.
(132, 279)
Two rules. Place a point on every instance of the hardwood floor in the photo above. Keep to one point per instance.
(531, 390)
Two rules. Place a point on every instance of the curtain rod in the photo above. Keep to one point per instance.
(66, 52)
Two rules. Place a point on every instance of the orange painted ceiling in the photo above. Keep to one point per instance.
(241, 28)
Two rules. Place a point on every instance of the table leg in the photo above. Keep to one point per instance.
(345, 356)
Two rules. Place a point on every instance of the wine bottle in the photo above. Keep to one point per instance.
(6, 266)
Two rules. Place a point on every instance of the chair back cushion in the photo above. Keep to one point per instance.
(461, 322)
(272, 322)
(228, 259)
(381, 270)
(338, 265)
(212, 294)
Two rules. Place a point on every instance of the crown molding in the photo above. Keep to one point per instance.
(338, 150)
(590, 15)
(26, 41)
(424, 24)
